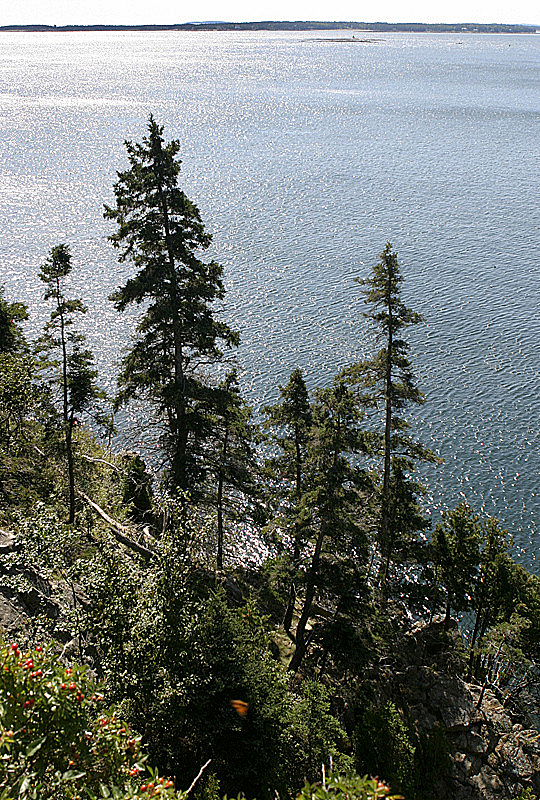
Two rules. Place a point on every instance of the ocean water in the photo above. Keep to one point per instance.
(305, 157)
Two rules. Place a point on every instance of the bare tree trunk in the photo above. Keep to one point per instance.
(300, 651)
(388, 397)
(68, 422)
(180, 432)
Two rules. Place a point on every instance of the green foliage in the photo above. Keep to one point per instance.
(526, 794)
(387, 386)
(456, 553)
(160, 231)
(177, 659)
(333, 525)
(347, 787)
(137, 490)
(317, 732)
(290, 422)
(231, 462)
(384, 746)
(12, 339)
(67, 365)
(23, 475)
(57, 740)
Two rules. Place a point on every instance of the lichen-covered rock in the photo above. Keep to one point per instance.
(493, 756)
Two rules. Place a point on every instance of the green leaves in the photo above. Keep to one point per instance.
(347, 787)
(56, 739)
(11, 315)
(160, 231)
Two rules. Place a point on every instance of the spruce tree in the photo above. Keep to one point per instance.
(231, 460)
(160, 231)
(333, 507)
(388, 386)
(456, 554)
(67, 363)
(11, 316)
(290, 422)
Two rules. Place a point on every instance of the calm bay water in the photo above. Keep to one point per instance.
(305, 157)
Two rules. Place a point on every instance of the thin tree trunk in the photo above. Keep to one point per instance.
(180, 434)
(447, 614)
(385, 521)
(474, 637)
(287, 619)
(300, 650)
(68, 423)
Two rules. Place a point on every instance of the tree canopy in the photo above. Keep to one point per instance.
(179, 336)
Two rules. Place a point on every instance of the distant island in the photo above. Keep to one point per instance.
(380, 27)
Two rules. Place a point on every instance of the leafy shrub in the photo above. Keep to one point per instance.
(57, 741)
(387, 745)
(384, 746)
(350, 787)
(316, 732)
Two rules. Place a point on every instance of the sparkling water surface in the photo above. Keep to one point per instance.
(305, 157)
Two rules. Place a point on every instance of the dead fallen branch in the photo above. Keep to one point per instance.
(100, 461)
(119, 531)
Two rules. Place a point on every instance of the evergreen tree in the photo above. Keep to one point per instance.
(12, 339)
(231, 461)
(19, 399)
(72, 370)
(334, 507)
(160, 231)
(456, 548)
(290, 420)
(137, 490)
(389, 386)
(490, 588)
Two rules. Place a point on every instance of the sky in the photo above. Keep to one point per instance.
(137, 12)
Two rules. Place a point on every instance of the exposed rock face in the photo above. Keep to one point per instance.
(493, 755)
(24, 593)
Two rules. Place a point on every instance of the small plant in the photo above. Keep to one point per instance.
(350, 787)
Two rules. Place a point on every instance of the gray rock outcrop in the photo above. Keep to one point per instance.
(493, 754)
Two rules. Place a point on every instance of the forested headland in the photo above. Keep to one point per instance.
(369, 654)
(381, 27)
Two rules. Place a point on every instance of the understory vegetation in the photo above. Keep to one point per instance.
(153, 658)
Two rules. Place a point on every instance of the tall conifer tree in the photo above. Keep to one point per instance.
(232, 464)
(69, 365)
(333, 504)
(389, 386)
(290, 422)
(160, 231)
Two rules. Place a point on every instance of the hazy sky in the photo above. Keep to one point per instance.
(62, 12)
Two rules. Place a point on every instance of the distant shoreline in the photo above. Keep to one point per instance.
(379, 27)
